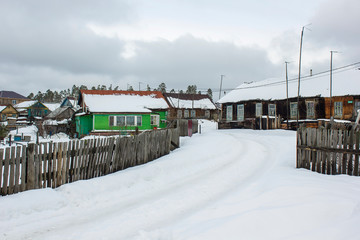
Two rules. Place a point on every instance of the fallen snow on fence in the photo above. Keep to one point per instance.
(225, 184)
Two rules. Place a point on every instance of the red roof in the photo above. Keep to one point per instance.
(157, 94)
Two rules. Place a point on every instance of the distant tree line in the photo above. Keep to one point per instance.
(56, 97)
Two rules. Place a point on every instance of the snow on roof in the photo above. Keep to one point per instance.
(25, 104)
(181, 100)
(2, 108)
(201, 103)
(344, 82)
(123, 101)
(52, 106)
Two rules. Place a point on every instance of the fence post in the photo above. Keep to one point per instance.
(30, 167)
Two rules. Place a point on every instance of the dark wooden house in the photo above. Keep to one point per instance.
(190, 106)
(265, 104)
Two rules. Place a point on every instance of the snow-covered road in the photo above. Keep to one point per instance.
(228, 184)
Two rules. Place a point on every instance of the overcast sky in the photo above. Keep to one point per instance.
(56, 44)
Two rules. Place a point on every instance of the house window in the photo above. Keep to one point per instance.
(120, 121)
(179, 113)
(272, 110)
(240, 112)
(186, 113)
(258, 109)
(338, 109)
(138, 120)
(193, 113)
(13, 102)
(293, 109)
(154, 120)
(125, 121)
(357, 107)
(229, 113)
(310, 110)
(207, 113)
(130, 120)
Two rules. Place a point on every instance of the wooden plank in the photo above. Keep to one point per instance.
(23, 161)
(91, 158)
(344, 159)
(350, 156)
(72, 161)
(59, 165)
(41, 162)
(79, 158)
(340, 155)
(12, 171)
(50, 161)
(110, 155)
(356, 161)
(102, 154)
(54, 165)
(36, 165)
(1, 168)
(45, 164)
(85, 165)
(334, 143)
(4, 191)
(30, 167)
(64, 160)
(318, 152)
(116, 158)
(17, 169)
(68, 161)
(328, 145)
(76, 160)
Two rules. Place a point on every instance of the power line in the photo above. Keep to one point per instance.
(304, 78)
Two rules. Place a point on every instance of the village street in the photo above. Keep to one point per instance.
(221, 184)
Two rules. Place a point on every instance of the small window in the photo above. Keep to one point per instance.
(229, 113)
(240, 112)
(130, 120)
(310, 109)
(258, 109)
(154, 120)
(138, 120)
(111, 121)
(13, 102)
(207, 113)
(272, 110)
(179, 113)
(293, 109)
(120, 120)
(338, 109)
(186, 113)
(193, 113)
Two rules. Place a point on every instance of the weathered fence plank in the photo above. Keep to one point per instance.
(328, 151)
(30, 167)
(17, 169)
(12, 171)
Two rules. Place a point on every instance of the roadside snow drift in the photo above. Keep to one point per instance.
(221, 184)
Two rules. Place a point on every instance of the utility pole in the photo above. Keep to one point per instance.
(331, 60)
(221, 85)
(287, 96)
(298, 96)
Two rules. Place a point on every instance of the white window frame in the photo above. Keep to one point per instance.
(13, 102)
(116, 120)
(193, 113)
(207, 113)
(186, 113)
(258, 109)
(272, 109)
(229, 113)
(310, 110)
(240, 112)
(338, 109)
(293, 109)
(155, 120)
(179, 113)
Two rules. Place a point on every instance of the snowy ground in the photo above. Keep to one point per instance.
(221, 184)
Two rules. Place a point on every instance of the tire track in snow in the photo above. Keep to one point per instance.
(202, 181)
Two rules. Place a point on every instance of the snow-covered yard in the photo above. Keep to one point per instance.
(221, 184)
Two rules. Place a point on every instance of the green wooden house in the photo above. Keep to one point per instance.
(107, 112)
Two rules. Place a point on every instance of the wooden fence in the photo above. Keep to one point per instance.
(54, 164)
(328, 151)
